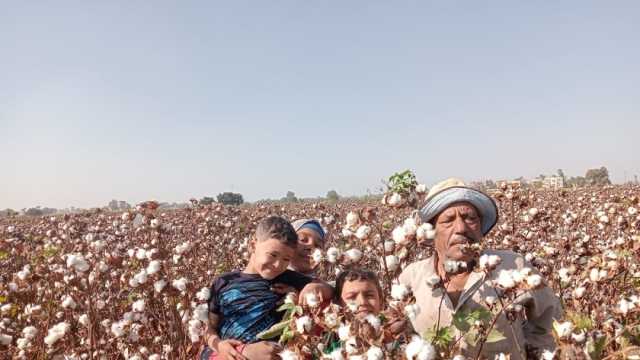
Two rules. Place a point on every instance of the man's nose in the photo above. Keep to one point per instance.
(459, 225)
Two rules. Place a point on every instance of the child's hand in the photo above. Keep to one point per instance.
(227, 350)
(283, 289)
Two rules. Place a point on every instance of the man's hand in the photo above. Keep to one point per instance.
(263, 350)
(227, 350)
(398, 327)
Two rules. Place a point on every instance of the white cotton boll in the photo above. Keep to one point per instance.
(347, 233)
(336, 355)
(68, 302)
(579, 292)
(399, 235)
(331, 320)
(180, 284)
(624, 306)
(13, 286)
(421, 188)
(312, 300)
(141, 254)
(29, 332)
(459, 357)
(154, 357)
(354, 255)
(141, 277)
(490, 300)
(182, 248)
(204, 294)
(451, 266)
(100, 304)
(352, 219)
(394, 199)
(412, 311)
(489, 262)
(363, 232)
(23, 344)
(632, 211)
(351, 346)
(333, 254)
(84, 319)
(159, 285)
(5, 308)
(399, 291)
(24, 273)
(303, 324)
(563, 329)
(604, 219)
(534, 281)
(317, 256)
(288, 355)
(375, 353)
(389, 246)
(138, 305)
(410, 226)
(77, 262)
(201, 312)
(56, 333)
(419, 349)
(506, 280)
(423, 231)
(374, 321)
(5, 339)
(153, 267)
(195, 330)
(133, 282)
(155, 223)
(117, 328)
(344, 332)
(125, 216)
(579, 337)
(392, 262)
(533, 212)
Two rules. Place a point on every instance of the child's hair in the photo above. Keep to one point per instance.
(275, 227)
(356, 275)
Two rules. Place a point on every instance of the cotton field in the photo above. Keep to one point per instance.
(135, 285)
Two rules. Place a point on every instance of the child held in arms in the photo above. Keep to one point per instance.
(243, 303)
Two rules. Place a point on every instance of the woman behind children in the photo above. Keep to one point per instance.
(311, 236)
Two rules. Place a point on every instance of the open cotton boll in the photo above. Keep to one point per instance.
(288, 355)
(392, 262)
(410, 226)
(421, 188)
(399, 235)
(374, 321)
(204, 294)
(316, 256)
(363, 232)
(395, 199)
(352, 219)
(138, 305)
(399, 291)
(354, 255)
(333, 254)
(419, 349)
(153, 267)
(303, 324)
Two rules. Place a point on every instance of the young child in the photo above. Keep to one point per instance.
(242, 303)
(361, 289)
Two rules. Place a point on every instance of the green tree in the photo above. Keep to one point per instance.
(230, 198)
(598, 176)
(207, 200)
(290, 197)
(332, 195)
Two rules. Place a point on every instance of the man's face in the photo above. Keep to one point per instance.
(271, 258)
(457, 226)
(308, 241)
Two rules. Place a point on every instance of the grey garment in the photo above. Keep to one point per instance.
(445, 198)
(542, 306)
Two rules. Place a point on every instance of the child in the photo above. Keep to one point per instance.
(360, 289)
(242, 303)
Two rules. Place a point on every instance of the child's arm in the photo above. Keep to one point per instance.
(226, 349)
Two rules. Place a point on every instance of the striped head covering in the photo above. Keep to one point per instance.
(451, 191)
(312, 224)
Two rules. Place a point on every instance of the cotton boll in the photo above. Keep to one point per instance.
(421, 188)
(180, 284)
(352, 219)
(83, 319)
(354, 255)
(410, 226)
(399, 235)
(399, 291)
(563, 329)
(344, 332)
(316, 256)
(534, 281)
(374, 321)
(363, 232)
(288, 355)
(68, 302)
(303, 324)
(153, 267)
(392, 262)
(375, 353)
(333, 254)
(506, 280)
(159, 285)
(423, 231)
(138, 306)
(29, 332)
(204, 294)
(312, 300)
(412, 311)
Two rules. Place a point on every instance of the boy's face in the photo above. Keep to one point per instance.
(364, 295)
(270, 258)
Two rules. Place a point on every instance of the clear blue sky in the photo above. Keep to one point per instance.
(172, 100)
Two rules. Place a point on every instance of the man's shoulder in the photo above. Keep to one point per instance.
(416, 269)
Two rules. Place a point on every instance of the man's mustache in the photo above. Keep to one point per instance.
(462, 239)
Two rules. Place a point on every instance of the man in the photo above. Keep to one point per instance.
(462, 216)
